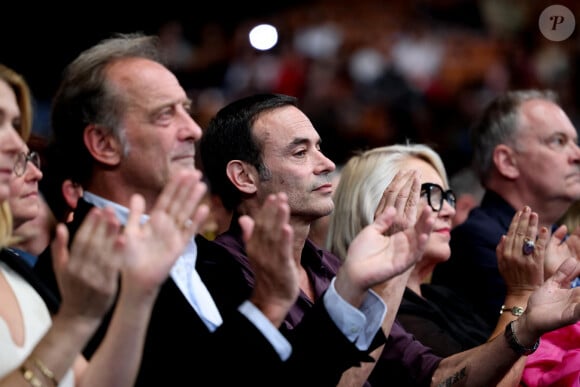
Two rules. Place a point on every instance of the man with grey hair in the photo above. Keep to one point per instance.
(525, 153)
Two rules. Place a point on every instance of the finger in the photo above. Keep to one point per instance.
(561, 232)
(522, 228)
(136, 209)
(389, 196)
(88, 229)
(247, 226)
(183, 197)
(385, 219)
(59, 248)
(403, 190)
(426, 221)
(499, 249)
(193, 212)
(414, 194)
(511, 234)
(567, 271)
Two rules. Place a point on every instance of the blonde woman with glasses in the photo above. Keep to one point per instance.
(432, 339)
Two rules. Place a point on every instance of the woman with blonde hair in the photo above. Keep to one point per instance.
(437, 317)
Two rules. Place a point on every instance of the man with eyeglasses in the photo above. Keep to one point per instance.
(525, 152)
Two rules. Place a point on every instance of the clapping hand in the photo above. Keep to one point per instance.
(149, 249)
(269, 237)
(522, 273)
(374, 257)
(402, 193)
(88, 274)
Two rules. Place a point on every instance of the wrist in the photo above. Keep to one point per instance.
(514, 310)
(515, 344)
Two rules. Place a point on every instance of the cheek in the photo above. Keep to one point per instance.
(438, 248)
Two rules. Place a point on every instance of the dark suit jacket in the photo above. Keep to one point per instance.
(472, 269)
(179, 348)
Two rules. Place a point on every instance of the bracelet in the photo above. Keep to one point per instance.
(29, 376)
(46, 371)
(514, 344)
(515, 310)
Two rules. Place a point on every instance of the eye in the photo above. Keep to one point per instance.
(558, 140)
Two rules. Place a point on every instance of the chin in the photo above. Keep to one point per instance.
(437, 253)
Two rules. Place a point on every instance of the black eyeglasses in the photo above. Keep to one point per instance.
(22, 161)
(436, 195)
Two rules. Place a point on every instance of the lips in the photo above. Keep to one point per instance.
(324, 187)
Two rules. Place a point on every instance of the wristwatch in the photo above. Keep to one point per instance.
(515, 344)
(515, 310)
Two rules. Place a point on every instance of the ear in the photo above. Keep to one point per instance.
(242, 176)
(505, 161)
(102, 145)
(71, 193)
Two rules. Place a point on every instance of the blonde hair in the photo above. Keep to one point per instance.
(23, 98)
(24, 101)
(363, 181)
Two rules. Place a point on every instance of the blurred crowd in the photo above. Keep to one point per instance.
(371, 73)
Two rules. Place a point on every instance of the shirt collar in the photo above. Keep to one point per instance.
(121, 212)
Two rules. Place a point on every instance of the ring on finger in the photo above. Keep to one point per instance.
(528, 247)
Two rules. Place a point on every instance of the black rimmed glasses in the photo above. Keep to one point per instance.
(435, 196)
(22, 161)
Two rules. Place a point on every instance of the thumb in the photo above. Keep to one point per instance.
(247, 225)
(385, 219)
(567, 271)
(59, 248)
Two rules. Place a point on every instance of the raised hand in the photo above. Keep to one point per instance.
(268, 237)
(88, 274)
(402, 193)
(373, 258)
(560, 248)
(149, 249)
(554, 304)
(522, 273)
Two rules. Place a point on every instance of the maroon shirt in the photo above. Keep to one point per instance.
(404, 361)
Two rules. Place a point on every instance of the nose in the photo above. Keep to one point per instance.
(575, 153)
(447, 210)
(33, 173)
(325, 165)
(189, 128)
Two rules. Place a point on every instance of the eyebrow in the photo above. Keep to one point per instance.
(301, 141)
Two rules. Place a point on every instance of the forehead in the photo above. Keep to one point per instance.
(8, 102)
(545, 117)
(145, 82)
(427, 173)
(284, 126)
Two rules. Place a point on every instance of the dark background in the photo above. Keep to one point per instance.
(39, 40)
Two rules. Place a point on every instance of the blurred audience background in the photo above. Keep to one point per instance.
(369, 73)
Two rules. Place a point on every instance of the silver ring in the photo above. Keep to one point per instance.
(529, 246)
(187, 224)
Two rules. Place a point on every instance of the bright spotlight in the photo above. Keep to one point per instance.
(263, 37)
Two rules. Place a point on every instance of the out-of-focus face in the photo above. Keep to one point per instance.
(291, 151)
(158, 126)
(36, 233)
(10, 142)
(548, 154)
(24, 199)
(437, 249)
